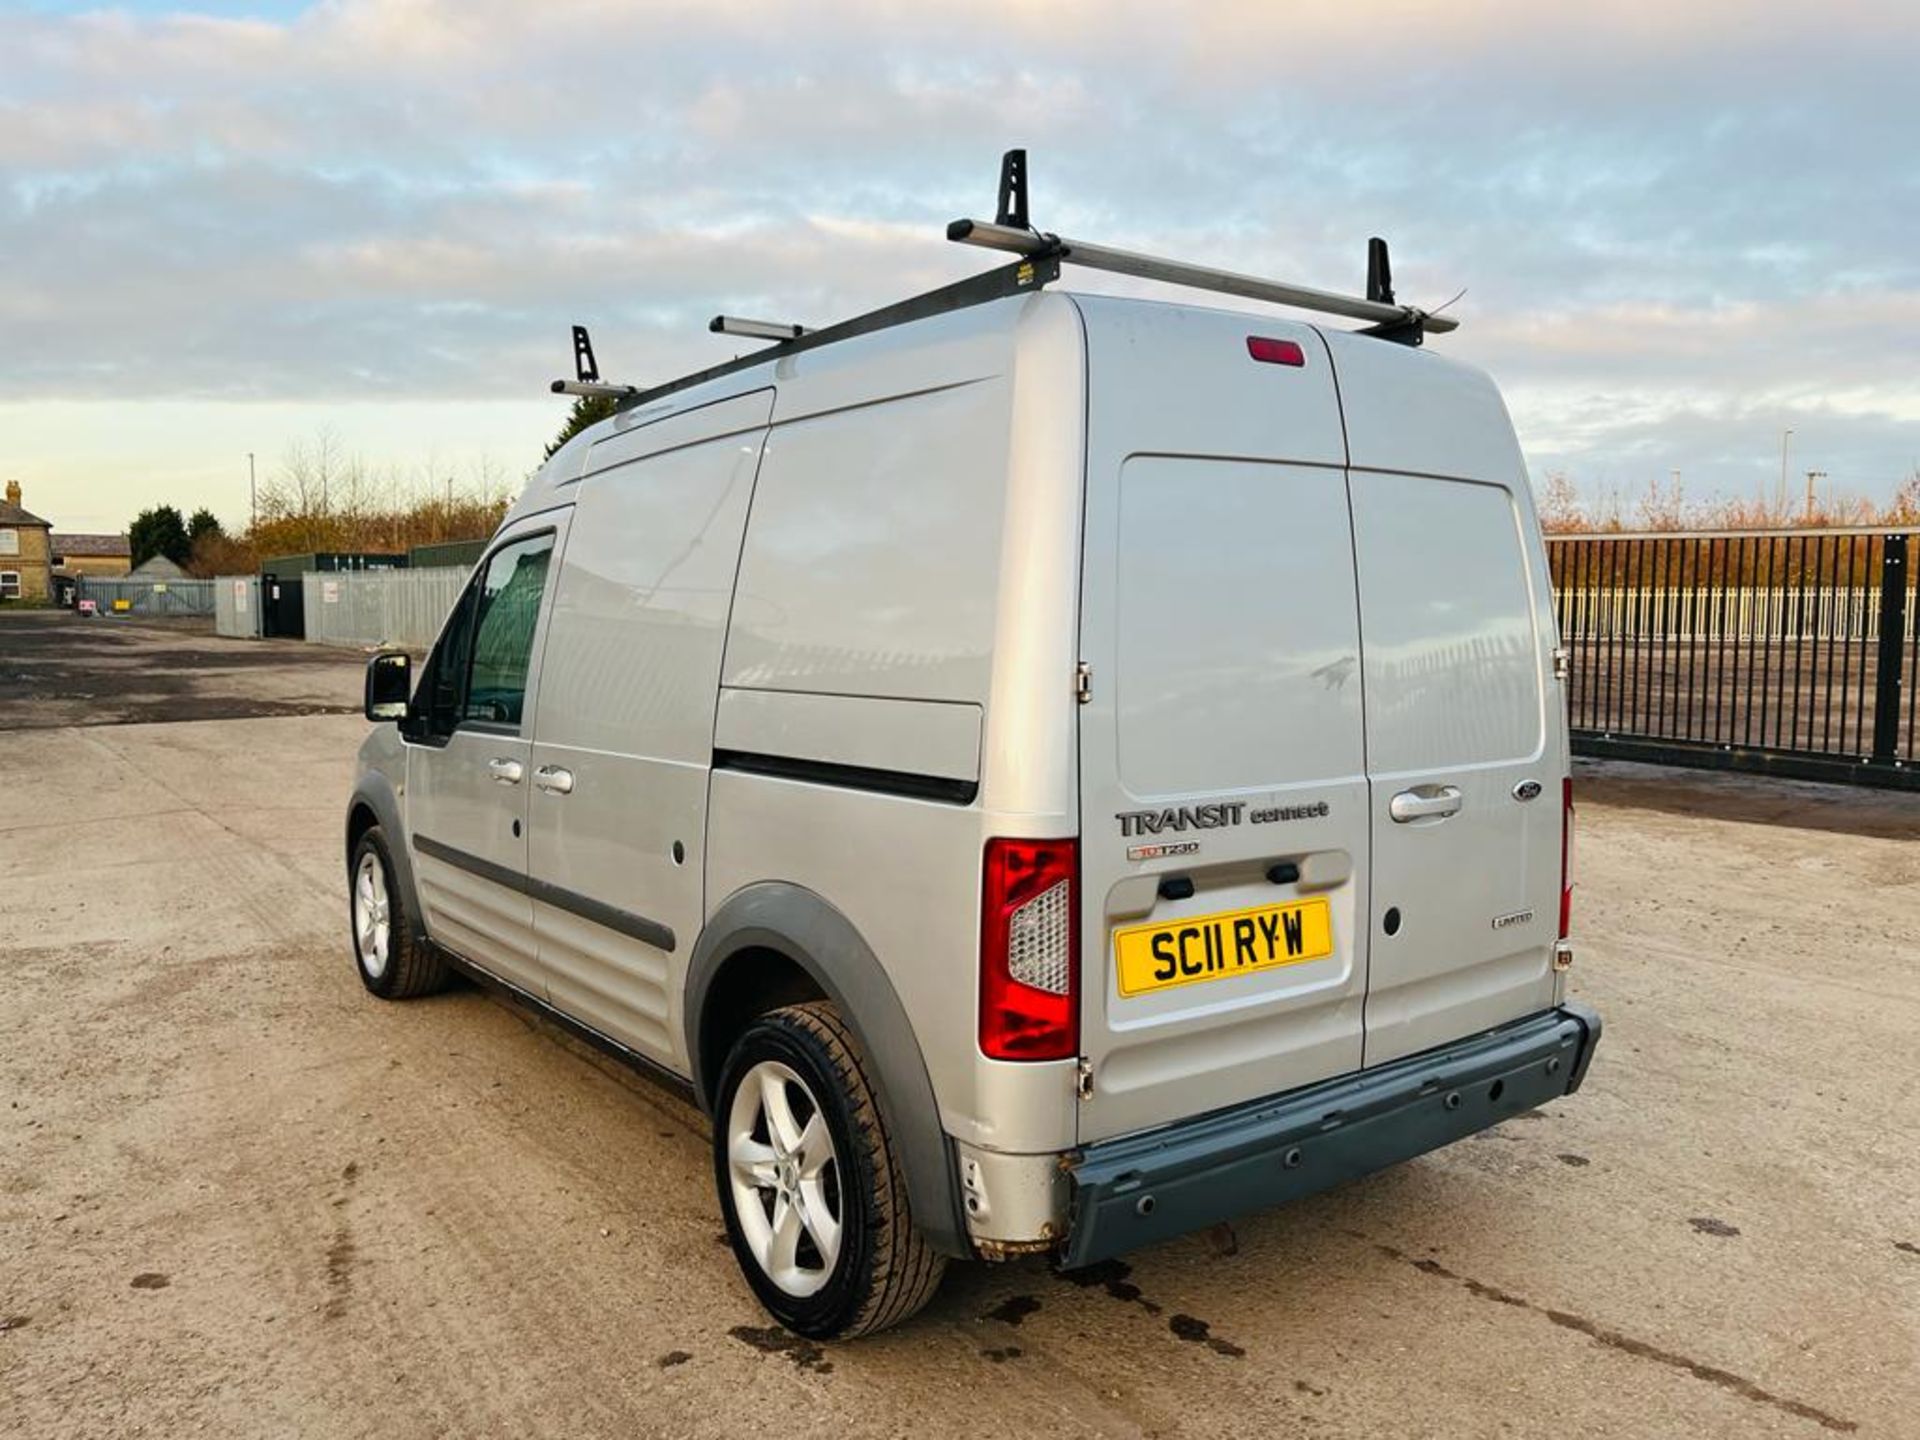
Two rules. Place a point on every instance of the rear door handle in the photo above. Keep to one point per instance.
(1428, 804)
(506, 772)
(554, 780)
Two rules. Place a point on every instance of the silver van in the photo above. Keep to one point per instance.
(1047, 772)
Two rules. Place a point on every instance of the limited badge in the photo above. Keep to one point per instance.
(1518, 917)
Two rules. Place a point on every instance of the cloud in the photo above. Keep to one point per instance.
(1695, 219)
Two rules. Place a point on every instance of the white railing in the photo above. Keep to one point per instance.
(1710, 612)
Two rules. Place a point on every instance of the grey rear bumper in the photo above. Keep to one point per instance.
(1134, 1191)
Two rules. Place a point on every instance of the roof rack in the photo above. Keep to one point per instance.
(1011, 231)
(1042, 255)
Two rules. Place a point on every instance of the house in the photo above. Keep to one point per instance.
(26, 551)
(104, 556)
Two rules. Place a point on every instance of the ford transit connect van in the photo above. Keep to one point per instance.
(1047, 771)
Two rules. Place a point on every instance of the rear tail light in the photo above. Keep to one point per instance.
(1566, 856)
(1030, 950)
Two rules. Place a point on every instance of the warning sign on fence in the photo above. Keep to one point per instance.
(329, 592)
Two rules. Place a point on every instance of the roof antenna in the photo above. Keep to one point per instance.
(587, 373)
(1013, 191)
(1379, 272)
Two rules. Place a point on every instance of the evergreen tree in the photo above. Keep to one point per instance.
(202, 525)
(587, 410)
(159, 531)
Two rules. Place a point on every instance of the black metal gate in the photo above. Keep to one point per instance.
(1789, 652)
(282, 610)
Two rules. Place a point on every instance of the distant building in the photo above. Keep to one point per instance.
(26, 551)
(101, 555)
(157, 567)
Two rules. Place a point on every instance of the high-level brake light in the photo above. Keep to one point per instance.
(1030, 950)
(1275, 352)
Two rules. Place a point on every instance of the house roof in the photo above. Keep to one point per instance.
(161, 566)
(109, 545)
(11, 514)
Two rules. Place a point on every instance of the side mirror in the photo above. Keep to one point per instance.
(389, 685)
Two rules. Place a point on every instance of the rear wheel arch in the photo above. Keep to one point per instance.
(773, 944)
(752, 981)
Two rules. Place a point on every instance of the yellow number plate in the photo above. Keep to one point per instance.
(1212, 947)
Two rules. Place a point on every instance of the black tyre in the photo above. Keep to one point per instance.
(810, 1183)
(394, 959)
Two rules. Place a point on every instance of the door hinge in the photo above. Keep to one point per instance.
(1562, 662)
(1083, 682)
(1083, 1079)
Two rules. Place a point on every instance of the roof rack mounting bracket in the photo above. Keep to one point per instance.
(1379, 272)
(1013, 190)
(1380, 291)
(585, 370)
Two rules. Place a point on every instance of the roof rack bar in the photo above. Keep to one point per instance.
(1019, 278)
(1034, 243)
(595, 389)
(756, 329)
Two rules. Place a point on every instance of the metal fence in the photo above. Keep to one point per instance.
(380, 607)
(236, 605)
(147, 597)
(1794, 653)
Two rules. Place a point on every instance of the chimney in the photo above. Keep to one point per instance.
(13, 492)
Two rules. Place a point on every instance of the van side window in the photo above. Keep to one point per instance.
(437, 694)
(505, 611)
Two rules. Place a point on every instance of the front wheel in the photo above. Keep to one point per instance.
(394, 959)
(814, 1197)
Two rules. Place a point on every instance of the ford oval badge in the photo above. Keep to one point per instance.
(1527, 790)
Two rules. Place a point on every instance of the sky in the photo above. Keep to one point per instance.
(1682, 226)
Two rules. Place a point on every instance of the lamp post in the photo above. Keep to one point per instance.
(253, 496)
(1814, 477)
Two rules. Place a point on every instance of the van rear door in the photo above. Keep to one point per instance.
(1465, 740)
(1224, 807)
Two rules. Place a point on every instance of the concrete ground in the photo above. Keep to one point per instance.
(239, 1197)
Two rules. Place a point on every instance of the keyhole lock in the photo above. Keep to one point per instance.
(1390, 922)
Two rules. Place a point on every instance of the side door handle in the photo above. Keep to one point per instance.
(505, 771)
(1427, 803)
(554, 779)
